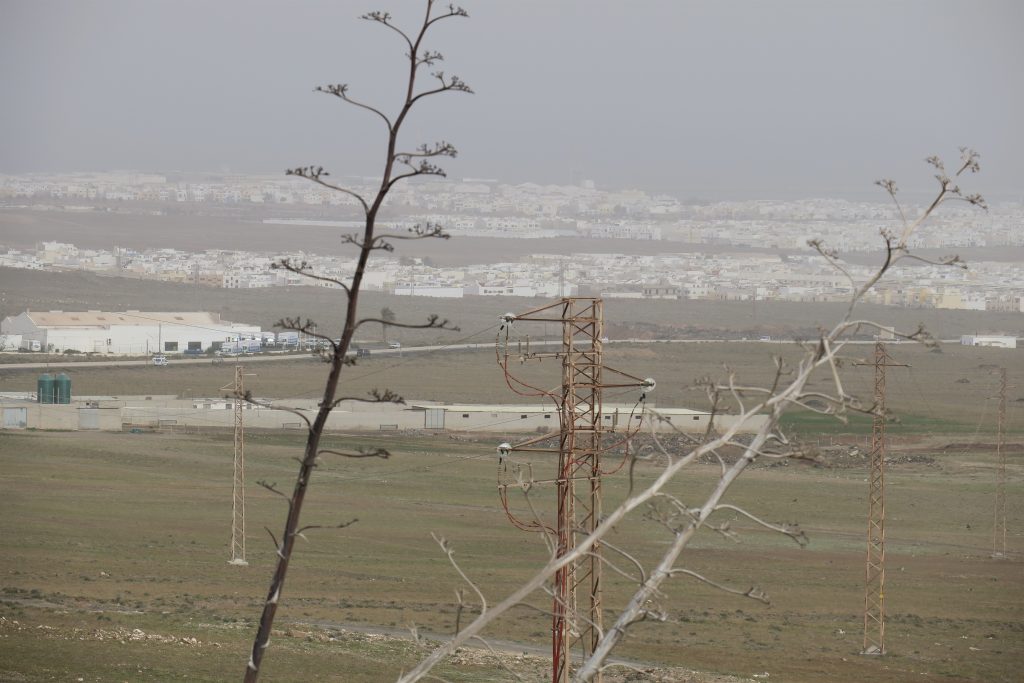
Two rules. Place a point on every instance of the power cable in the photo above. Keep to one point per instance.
(313, 393)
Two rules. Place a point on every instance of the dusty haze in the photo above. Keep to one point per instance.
(699, 99)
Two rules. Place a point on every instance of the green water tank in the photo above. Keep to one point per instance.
(45, 388)
(62, 389)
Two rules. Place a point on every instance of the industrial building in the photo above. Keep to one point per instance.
(128, 332)
(994, 340)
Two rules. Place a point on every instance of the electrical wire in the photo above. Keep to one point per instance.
(932, 414)
(313, 393)
(502, 361)
(625, 439)
(413, 468)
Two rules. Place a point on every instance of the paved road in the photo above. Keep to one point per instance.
(271, 357)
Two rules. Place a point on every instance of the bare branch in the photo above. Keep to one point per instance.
(272, 487)
(340, 90)
(499, 659)
(384, 19)
(453, 11)
(832, 256)
(953, 260)
(429, 58)
(247, 396)
(382, 453)
(433, 322)
(317, 173)
(792, 530)
(438, 149)
(416, 232)
(968, 161)
(425, 167)
(375, 396)
(890, 187)
(752, 592)
(635, 562)
(448, 84)
(450, 553)
(304, 269)
(299, 532)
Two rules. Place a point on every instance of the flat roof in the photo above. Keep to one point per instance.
(607, 409)
(107, 318)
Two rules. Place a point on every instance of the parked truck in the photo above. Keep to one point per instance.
(230, 348)
(251, 345)
(288, 340)
(236, 347)
(10, 342)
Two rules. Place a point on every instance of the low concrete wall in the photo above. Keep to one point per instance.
(70, 417)
(127, 413)
(267, 418)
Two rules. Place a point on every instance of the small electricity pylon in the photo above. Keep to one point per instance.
(874, 573)
(238, 481)
(999, 514)
(581, 427)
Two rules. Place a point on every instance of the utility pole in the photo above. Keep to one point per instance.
(580, 406)
(195, 282)
(874, 574)
(238, 481)
(999, 514)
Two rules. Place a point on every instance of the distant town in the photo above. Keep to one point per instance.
(688, 267)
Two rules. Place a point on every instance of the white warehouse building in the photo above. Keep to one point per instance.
(129, 332)
(995, 340)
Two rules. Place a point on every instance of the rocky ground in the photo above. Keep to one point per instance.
(521, 666)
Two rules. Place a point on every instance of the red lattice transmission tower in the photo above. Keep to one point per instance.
(999, 514)
(238, 479)
(874, 573)
(582, 428)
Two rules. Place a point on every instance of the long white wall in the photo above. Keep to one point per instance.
(151, 414)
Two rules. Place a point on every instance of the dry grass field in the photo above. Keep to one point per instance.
(115, 547)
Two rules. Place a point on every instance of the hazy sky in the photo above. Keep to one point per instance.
(715, 98)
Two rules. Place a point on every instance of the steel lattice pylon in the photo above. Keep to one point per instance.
(578, 478)
(999, 513)
(579, 461)
(238, 481)
(874, 574)
(874, 578)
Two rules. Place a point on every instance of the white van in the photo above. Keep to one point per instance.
(159, 360)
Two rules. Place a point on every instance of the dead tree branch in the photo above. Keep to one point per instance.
(417, 57)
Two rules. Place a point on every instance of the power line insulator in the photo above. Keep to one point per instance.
(503, 450)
